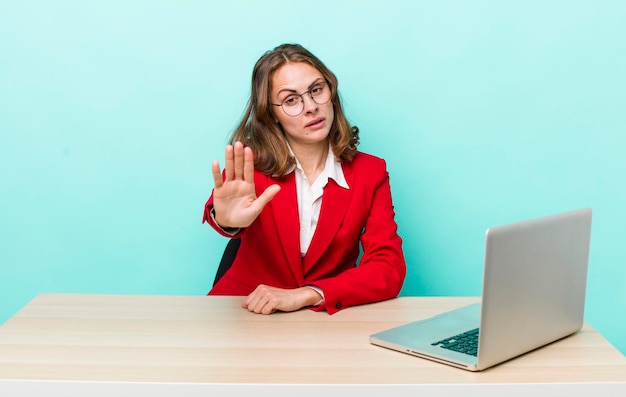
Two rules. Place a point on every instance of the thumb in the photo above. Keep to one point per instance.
(268, 194)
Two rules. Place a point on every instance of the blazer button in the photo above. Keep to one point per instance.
(338, 306)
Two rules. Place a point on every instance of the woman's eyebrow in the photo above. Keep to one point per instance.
(316, 81)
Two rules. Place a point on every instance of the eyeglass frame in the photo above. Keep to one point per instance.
(330, 87)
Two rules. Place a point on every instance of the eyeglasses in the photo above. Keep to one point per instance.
(293, 105)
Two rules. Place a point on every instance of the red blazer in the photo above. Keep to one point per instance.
(270, 247)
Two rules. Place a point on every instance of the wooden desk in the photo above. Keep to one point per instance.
(80, 345)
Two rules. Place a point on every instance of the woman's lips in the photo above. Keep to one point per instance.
(316, 123)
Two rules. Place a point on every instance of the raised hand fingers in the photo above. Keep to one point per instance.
(239, 162)
(229, 162)
(239, 159)
(217, 174)
(248, 165)
(235, 159)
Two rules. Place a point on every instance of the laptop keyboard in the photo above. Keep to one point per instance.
(467, 342)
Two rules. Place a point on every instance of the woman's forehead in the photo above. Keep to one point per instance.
(297, 76)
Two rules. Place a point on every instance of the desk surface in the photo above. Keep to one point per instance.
(202, 339)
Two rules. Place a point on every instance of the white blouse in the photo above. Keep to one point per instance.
(310, 196)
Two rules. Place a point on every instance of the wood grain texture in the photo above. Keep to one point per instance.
(211, 339)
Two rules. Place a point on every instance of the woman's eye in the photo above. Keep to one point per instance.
(291, 100)
(317, 90)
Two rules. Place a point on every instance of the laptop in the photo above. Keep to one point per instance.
(534, 283)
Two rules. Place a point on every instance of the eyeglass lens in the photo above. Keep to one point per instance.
(293, 105)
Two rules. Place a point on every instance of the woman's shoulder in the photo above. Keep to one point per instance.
(370, 167)
(367, 159)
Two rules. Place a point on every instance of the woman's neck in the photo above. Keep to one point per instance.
(312, 158)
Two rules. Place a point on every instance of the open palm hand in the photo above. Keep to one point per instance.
(234, 197)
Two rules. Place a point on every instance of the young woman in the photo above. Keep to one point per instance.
(315, 216)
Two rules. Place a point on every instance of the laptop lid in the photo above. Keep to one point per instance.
(534, 283)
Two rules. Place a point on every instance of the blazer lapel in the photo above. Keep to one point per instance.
(285, 212)
(334, 205)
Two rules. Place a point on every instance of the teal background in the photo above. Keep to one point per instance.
(488, 112)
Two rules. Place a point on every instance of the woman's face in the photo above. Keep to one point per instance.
(290, 85)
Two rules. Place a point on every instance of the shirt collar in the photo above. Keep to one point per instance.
(332, 168)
